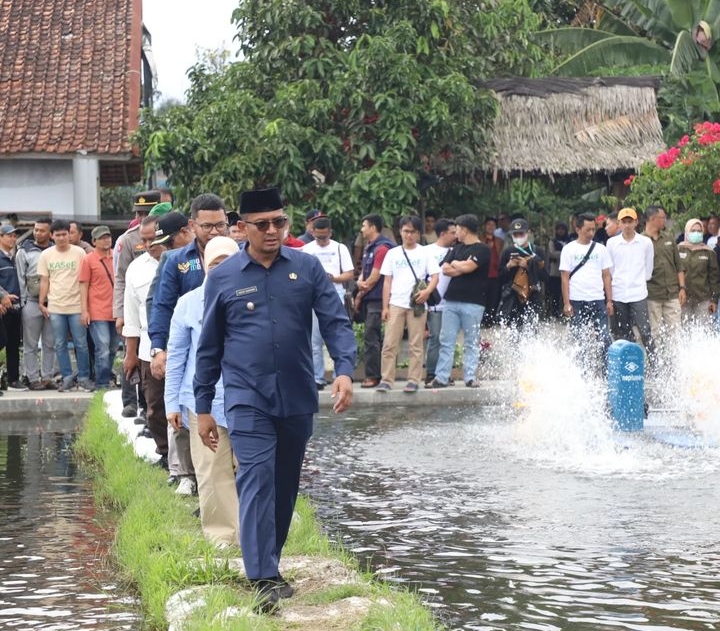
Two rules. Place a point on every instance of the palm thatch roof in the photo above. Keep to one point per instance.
(574, 125)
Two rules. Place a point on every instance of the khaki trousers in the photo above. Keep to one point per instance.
(397, 320)
(215, 473)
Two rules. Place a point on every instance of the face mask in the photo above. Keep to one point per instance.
(519, 241)
(695, 237)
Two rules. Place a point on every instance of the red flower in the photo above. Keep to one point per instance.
(629, 181)
(716, 187)
(667, 159)
(683, 141)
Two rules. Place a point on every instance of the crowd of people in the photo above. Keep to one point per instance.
(224, 316)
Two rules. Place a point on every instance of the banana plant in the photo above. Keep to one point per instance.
(678, 37)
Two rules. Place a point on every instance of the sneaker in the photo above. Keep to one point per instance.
(428, 380)
(186, 486)
(473, 383)
(128, 411)
(49, 384)
(145, 433)
(383, 387)
(86, 385)
(410, 387)
(18, 386)
(39, 385)
(173, 480)
(140, 420)
(67, 384)
(434, 384)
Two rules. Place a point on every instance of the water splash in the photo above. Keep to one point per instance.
(560, 418)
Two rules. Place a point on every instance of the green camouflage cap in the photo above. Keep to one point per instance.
(158, 210)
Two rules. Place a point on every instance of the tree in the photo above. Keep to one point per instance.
(673, 37)
(348, 105)
(685, 179)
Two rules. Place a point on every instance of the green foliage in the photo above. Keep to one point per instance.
(116, 201)
(348, 106)
(685, 179)
(659, 35)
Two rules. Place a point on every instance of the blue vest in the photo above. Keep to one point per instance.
(367, 264)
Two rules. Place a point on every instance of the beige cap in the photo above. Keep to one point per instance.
(627, 212)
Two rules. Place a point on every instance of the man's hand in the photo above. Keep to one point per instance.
(44, 311)
(567, 310)
(157, 365)
(174, 419)
(119, 324)
(7, 300)
(422, 296)
(207, 430)
(342, 392)
(610, 308)
(85, 319)
(130, 363)
(713, 307)
(385, 315)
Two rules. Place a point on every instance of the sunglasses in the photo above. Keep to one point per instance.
(263, 225)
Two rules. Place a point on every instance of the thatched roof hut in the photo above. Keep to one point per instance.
(574, 125)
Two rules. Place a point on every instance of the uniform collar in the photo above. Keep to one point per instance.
(246, 259)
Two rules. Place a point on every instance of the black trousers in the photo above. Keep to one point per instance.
(373, 338)
(11, 340)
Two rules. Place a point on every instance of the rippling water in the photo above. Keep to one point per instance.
(502, 524)
(53, 573)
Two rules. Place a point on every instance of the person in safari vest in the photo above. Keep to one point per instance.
(36, 327)
(522, 276)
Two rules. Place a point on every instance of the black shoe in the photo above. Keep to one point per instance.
(284, 589)
(128, 411)
(320, 386)
(173, 480)
(146, 433)
(266, 595)
(140, 420)
(472, 384)
(196, 512)
(437, 384)
(162, 463)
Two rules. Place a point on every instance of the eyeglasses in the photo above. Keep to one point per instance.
(263, 225)
(220, 226)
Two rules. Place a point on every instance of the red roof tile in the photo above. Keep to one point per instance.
(69, 75)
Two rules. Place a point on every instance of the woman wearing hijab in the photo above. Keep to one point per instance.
(702, 275)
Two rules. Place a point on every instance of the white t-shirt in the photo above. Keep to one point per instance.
(438, 253)
(632, 266)
(586, 284)
(396, 265)
(138, 278)
(332, 257)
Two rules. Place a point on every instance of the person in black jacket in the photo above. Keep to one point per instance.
(10, 306)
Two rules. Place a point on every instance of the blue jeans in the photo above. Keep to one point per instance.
(468, 317)
(62, 324)
(106, 339)
(434, 324)
(592, 313)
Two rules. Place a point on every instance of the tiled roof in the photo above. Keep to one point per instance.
(69, 75)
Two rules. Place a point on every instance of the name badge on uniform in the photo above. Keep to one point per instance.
(245, 291)
(292, 276)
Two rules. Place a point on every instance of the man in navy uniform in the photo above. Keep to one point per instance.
(257, 326)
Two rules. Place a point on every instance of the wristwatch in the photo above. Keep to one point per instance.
(155, 351)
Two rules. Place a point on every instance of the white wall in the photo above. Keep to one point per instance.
(49, 186)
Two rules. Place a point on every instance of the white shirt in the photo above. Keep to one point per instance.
(334, 257)
(138, 278)
(632, 263)
(438, 253)
(586, 284)
(396, 265)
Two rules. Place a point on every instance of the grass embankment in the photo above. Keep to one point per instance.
(159, 550)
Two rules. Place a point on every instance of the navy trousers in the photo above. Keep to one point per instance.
(270, 452)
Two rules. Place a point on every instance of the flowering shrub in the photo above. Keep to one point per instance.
(685, 179)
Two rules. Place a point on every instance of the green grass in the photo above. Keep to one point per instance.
(159, 548)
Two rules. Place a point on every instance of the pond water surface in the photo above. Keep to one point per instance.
(502, 524)
(53, 572)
